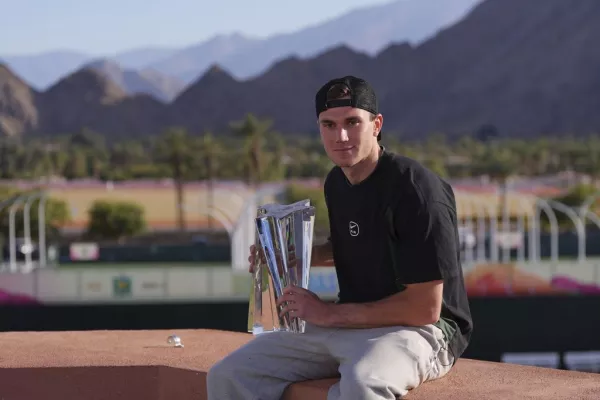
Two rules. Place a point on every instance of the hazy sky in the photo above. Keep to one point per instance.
(108, 26)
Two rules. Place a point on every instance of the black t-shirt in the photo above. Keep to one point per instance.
(404, 214)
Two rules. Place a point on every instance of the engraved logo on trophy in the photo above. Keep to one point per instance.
(353, 228)
(284, 236)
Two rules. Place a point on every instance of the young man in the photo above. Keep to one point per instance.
(402, 317)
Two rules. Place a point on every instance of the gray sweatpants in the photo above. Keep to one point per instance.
(380, 363)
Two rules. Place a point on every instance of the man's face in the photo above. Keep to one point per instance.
(348, 134)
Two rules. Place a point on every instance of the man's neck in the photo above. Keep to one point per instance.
(363, 169)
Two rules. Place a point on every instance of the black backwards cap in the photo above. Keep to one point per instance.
(362, 96)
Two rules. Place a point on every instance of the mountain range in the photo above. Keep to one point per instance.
(244, 56)
(527, 67)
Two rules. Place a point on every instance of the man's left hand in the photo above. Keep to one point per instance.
(305, 305)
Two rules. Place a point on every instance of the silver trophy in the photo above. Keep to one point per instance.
(284, 236)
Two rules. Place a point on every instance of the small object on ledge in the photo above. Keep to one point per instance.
(174, 340)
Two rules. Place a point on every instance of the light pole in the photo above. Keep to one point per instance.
(481, 228)
(544, 205)
(12, 231)
(506, 228)
(492, 214)
(579, 226)
(41, 228)
(525, 210)
(469, 251)
(7, 202)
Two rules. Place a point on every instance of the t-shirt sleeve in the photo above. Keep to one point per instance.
(428, 248)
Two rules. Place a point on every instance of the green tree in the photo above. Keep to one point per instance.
(253, 132)
(115, 220)
(209, 152)
(256, 153)
(76, 165)
(174, 149)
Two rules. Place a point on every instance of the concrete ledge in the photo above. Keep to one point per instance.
(99, 365)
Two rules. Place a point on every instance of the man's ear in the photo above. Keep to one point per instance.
(378, 124)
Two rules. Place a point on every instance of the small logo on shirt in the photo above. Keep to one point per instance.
(353, 228)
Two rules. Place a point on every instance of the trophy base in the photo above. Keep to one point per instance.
(262, 332)
(259, 330)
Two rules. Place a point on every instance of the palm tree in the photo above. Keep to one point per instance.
(253, 131)
(209, 149)
(173, 148)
